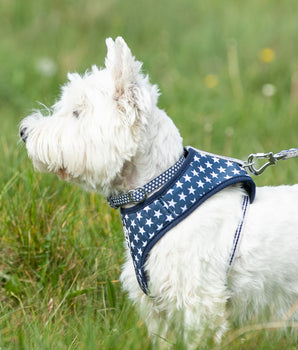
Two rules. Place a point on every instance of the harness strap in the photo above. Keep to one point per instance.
(238, 232)
(250, 162)
(140, 194)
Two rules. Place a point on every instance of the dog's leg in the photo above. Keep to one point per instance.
(191, 320)
(185, 313)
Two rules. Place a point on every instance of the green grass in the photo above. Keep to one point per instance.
(61, 248)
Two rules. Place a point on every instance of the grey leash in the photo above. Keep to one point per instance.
(272, 159)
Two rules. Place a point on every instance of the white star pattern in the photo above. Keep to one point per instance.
(179, 184)
(171, 203)
(147, 209)
(207, 179)
(182, 196)
(214, 175)
(184, 208)
(169, 218)
(157, 214)
(187, 178)
(149, 222)
(151, 219)
(200, 184)
(191, 190)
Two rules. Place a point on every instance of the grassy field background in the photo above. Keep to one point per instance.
(228, 73)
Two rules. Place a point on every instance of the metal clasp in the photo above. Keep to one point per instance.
(130, 194)
(251, 164)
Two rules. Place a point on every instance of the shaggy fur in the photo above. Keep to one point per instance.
(107, 134)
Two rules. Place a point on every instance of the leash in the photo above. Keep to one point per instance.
(272, 159)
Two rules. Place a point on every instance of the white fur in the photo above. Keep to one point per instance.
(107, 134)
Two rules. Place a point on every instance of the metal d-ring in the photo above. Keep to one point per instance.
(131, 192)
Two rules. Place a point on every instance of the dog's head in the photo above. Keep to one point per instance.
(98, 124)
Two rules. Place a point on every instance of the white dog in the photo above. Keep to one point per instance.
(233, 258)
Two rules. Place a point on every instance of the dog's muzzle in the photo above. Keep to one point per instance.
(24, 134)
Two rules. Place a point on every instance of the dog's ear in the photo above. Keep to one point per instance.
(126, 73)
(122, 64)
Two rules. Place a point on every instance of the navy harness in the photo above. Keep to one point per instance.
(199, 177)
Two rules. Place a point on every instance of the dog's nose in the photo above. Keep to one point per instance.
(24, 134)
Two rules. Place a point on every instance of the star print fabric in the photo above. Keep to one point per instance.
(201, 176)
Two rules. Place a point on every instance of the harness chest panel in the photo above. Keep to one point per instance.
(201, 176)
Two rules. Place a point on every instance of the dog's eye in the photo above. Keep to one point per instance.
(76, 114)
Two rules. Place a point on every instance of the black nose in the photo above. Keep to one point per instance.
(23, 134)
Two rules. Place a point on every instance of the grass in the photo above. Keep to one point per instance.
(61, 248)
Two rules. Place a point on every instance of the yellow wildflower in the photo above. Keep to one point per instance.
(211, 81)
(267, 55)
